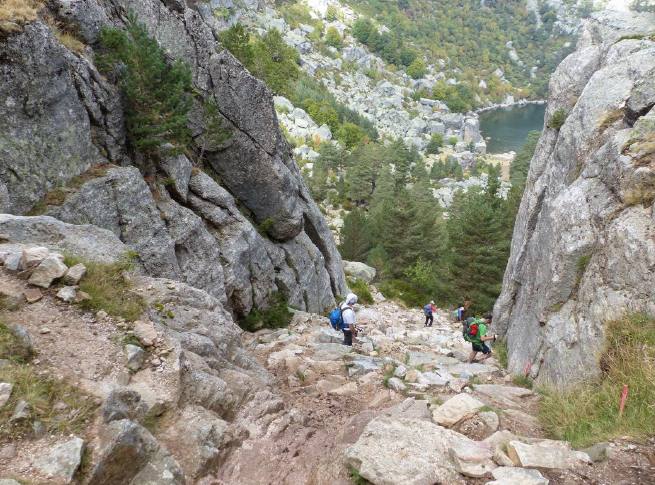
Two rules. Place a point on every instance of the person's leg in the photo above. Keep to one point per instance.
(427, 317)
(347, 338)
(431, 318)
(486, 351)
(473, 353)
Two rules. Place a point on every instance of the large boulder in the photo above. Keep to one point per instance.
(394, 451)
(130, 454)
(582, 251)
(359, 270)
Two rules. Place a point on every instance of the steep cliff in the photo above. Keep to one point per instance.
(583, 249)
(255, 233)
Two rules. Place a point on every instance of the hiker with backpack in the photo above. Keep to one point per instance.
(343, 318)
(475, 331)
(428, 310)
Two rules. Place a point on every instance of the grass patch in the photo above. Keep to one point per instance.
(109, 289)
(500, 351)
(522, 381)
(580, 267)
(15, 13)
(407, 293)
(10, 347)
(360, 288)
(277, 315)
(356, 478)
(557, 119)
(62, 408)
(588, 413)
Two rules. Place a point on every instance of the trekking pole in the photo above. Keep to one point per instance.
(624, 397)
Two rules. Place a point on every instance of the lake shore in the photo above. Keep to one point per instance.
(522, 102)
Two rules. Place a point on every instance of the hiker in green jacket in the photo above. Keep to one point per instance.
(477, 335)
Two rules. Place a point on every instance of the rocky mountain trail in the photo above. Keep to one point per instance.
(291, 405)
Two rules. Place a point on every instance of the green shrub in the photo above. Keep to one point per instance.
(404, 291)
(236, 39)
(588, 413)
(362, 29)
(350, 135)
(436, 142)
(157, 94)
(41, 394)
(277, 315)
(360, 288)
(453, 140)
(333, 38)
(522, 381)
(500, 351)
(557, 119)
(417, 68)
(109, 289)
(332, 13)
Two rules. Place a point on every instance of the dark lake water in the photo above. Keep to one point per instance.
(505, 129)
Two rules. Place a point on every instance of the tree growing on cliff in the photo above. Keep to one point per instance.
(157, 93)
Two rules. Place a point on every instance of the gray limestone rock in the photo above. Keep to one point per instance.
(50, 269)
(130, 454)
(586, 185)
(123, 403)
(135, 357)
(52, 107)
(87, 241)
(60, 462)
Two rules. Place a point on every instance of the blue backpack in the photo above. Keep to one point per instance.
(427, 309)
(336, 319)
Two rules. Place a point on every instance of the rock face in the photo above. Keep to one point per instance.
(583, 250)
(192, 229)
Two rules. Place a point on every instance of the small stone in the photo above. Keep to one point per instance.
(7, 452)
(61, 461)
(400, 371)
(345, 390)
(5, 393)
(545, 454)
(82, 296)
(38, 429)
(135, 357)
(21, 412)
(101, 314)
(455, 409)
(44, 330)
(32, 257)
(11, 299)
(145, 332)
(60, 406)
(67, 294)
(50, 269)
(13, 262)
(32, 295)
(598, 452)
(517, 476)
(74, 274)
(396, 384)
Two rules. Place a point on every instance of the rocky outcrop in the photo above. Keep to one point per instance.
(583, 250)
(257, 233)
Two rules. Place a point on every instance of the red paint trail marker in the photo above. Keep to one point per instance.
(527, 368)
(624, 397)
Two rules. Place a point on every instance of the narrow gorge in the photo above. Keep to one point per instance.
(188, 187)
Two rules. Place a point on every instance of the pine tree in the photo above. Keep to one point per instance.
(478, 247)
(355, 238)
(157, 94)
